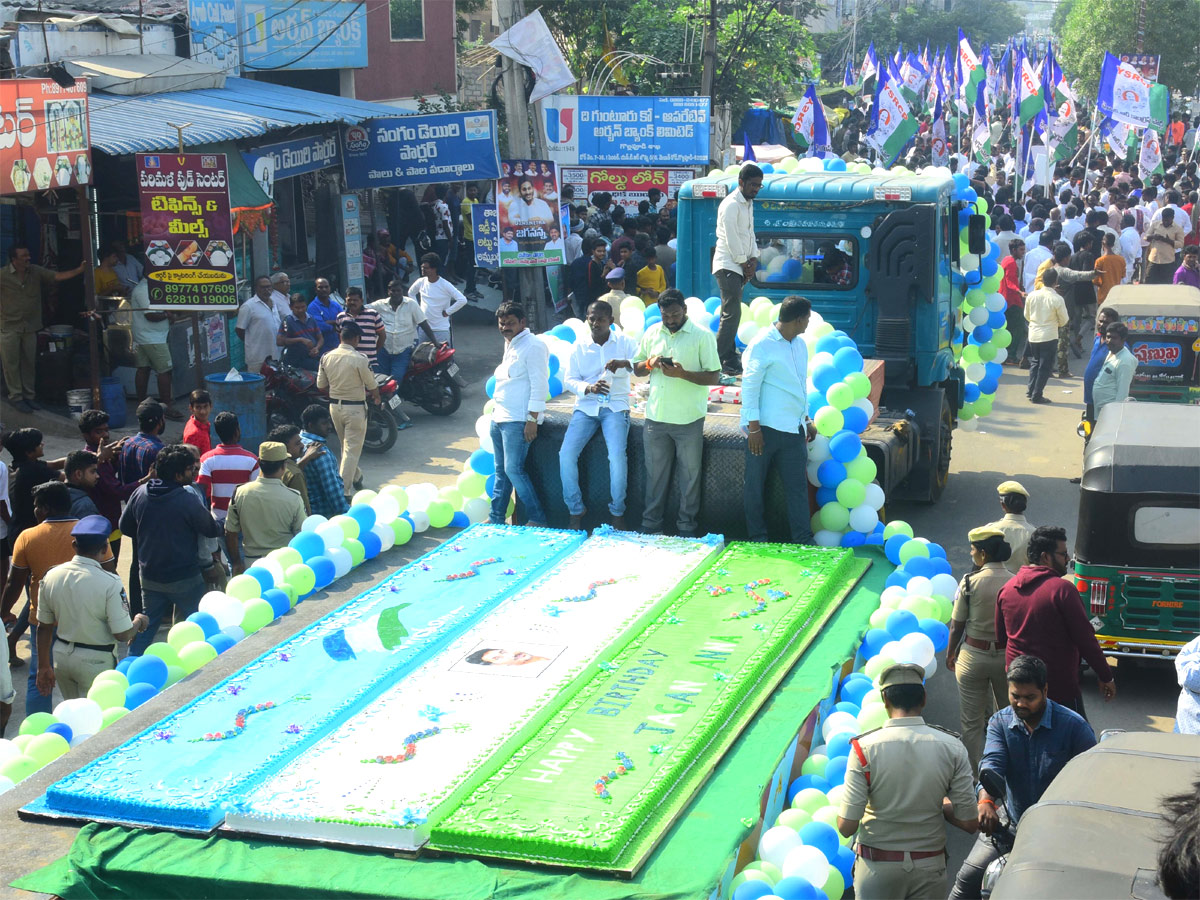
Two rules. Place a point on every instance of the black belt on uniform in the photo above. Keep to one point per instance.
(349, 402)
(103, 648)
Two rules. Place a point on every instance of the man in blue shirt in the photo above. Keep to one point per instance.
(326, 492)
(775, 417)
(324, 310)
(1104, 318)
(1028, 744)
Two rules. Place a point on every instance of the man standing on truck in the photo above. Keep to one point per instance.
(734, 261)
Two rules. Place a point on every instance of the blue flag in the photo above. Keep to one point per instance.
(747, 150)
(848, 78)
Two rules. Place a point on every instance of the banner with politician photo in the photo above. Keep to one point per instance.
(530, 221)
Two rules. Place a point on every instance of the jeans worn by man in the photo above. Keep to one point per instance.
(510, 448)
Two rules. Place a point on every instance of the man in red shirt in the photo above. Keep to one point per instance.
(1041, 614)
(198, 430)
(226, 465)
(1010, 290)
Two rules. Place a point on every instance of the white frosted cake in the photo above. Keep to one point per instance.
(383, 776)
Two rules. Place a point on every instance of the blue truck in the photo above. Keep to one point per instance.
(873, 253)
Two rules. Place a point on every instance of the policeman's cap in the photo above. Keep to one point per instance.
(901, 673)
(272, 451)
(1012, 487)
(982, 533)
(92, 526)
(615, 275)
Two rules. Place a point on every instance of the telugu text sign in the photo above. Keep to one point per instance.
(304, 34)
(485, 235)
(406, 150)
(628, 186)
(43, 135)
(626, 131)
(529, 214)
(213, 30)
(187, 230)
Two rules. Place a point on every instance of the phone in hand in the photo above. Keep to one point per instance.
(666, 361)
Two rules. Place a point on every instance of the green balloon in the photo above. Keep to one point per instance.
(194, 655)
(286, 557)
(834, 517)
(794, 819)
(814, 765)
(46, 748)
(163, 651)
(348, 525)
(840, 396)
(293, 597)
(829, 421)
(258, 613)
(112, 675)
(36, 723)
(862, 469)
(243, 587)
(991, 284)
(835, 885)
(880, 616)
(112, 714)
(18, 768)
(106, 694)
(769, 869)
(749, 875)
(975, 297)
(860, 384)
(897, 526)
(815, 522)
(912, 550)
(877, 664)
(21, 741)
(403, 530)
(874, 717)
(440, 513)
(987, 352)
(810, 799)
(851, 493)
(471, 484)
(175, 674)
(184, 633)
(967, 412)
(356, 550)
(970, 353)
(1001, 338)
(451, 495)
(301, 578)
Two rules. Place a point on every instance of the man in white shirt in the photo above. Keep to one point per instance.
(1046, 313)
(775, 416)
(528, 208)
(401, 316)
(522, 382)
(598, 374)
(439, 299)
(1130, 245)
(1182, 219)
(1116, 374)
(281, 295)
(1072, 223)
(257, 325)
(150, 331)
(127, 267)
(1034, 259)
(735, 260)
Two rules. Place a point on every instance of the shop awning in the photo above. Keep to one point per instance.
(242, 109)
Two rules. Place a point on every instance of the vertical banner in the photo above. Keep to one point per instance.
(528, 214)
(485, 232)
(352, 274)
(188, 231)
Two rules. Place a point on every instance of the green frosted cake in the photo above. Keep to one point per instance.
(598, 782)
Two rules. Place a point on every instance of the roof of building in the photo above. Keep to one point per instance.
(147, 9)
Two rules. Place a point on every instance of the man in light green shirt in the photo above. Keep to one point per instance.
(681, 359)
(264, 513)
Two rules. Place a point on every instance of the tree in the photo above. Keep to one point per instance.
(1092, 27)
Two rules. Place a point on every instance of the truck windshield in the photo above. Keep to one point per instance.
(825, 261)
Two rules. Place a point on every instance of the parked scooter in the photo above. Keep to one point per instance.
(291, 390)
(433, 381)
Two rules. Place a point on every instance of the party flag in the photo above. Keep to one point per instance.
(848, 78)
(1030, 100)
(1150, 159)
(1123, 95)
(970, 73)
(812, 130)
(939, 149)
(870, 65)
(747, 150)
(893, 123)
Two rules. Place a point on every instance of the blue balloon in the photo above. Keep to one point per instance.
(971, 392)
(856, 690)
(807, 781)
(777, 277)
(222, 642)
(372, 545)
(459, 520)
(844, 446)
(816, 400)
(988, 266)
(323, 569)
(364, 516)
(844, 863)
(824, 377)
(564, 333)
(968, 194)
(988, 385)
(835, 165)
(831, 473)
(308, 544)
(847, 707)
(899, 578)
(879, 528)
(937, 632)
(62, 729)
(942, 566)
(137, 694)
(556, 386)
(996, 319)
(839, 744)
(982, 334)
(956, 277)
(936, 551)
(766, 167)
(973, 277)
(920, 565)
(872, 643)
(848, 360)
(554, 364)
(714, 324)
(265, 579)
(752, 890)
(123, 665)
(826, 495)
(792, 269)
(901, 622)
(893, 545)
(993, 370)
(961, 182)
(147, 670)
(712, 304)
(874, 540)
(489, 487)
(828, 344)
(490, 387)
(482, 462)
(794, 887)
(280, 604)
(853, 539)
(820, 835)
(206, 622)
(855, 419)
(652, 314)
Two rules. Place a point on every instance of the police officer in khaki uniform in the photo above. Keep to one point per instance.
(903, 782)
(1016, 529)
(90, 611)
(347, 375)
(265, 512)
(973, 654)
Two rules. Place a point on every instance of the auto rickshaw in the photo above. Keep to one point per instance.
(1164, 334)
(1137, 550)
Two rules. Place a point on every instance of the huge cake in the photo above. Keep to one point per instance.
(190, 767)
(387, 774)
(597, 782)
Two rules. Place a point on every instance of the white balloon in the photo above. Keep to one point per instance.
(818, 449)
(312, 523)
(82, 715)
(978, 315)
(865, 405)
(943, 585)
(7, 751)
(808, 863)
(274, 568)
(386, 536)
(477, 509)
(1001, 355)
(421, 495)
(919, 586)
(419, 519)
(931, 668)
(811, 470)
(486, 445)
(892, 650)
(343, 562)
(777, 843)
(332, 534)
(225, 609)
(837, 722)
(996, 303)
(6, 784)
(875, 497)
(824, 538)
(863, 518)
(892, 596)
(76, 740)
(968, 425)
(976, 372)
(483, 428)
(825, 358)
(918, 647)
(836, 793)
(968, 262)
(386, 509)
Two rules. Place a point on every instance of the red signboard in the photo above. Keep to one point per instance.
(188, 231)
(628, 186)
(43, 135)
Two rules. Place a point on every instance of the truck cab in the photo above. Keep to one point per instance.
(873, 254)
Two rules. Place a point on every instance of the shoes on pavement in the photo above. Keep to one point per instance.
(575, 522)
(1024, 364)
(1041, 400)
(401, 426)
(618, 522)
(172, 413)
(23, 406)
(32, 404)
(1076, 480)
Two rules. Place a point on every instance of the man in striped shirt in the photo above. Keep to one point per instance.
(367, 319)
(226, 465)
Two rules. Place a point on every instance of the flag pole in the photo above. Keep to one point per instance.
(1091, 140)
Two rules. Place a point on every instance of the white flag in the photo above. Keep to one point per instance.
(1150, 160)
(530, 43)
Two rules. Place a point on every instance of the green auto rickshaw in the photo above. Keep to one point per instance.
(1137, 550)
(1164, 334)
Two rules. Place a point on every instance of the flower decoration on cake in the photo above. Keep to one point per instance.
(589, 594)
(413, 815)
(410, 748)
(674, 620)
(432, 713)
(551, 610)
(235, 689)
(608, 667)
(163, 735)
(759, 607)
(720, 676)
(240, 719)
(624, 764)
(292, 729)
(716, 590)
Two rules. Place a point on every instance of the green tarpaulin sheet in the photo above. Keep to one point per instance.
(108, 861)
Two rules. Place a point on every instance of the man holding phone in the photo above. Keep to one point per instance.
(681, 359)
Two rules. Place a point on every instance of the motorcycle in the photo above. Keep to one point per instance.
(291, 390)
(1003, 837)
(433, 381)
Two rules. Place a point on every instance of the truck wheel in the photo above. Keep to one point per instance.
(940, 469)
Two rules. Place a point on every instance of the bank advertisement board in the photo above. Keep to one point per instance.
(407, 150)
(626, 131)
(187, 231)
(303, 34)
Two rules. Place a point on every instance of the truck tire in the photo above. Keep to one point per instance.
(939, 472)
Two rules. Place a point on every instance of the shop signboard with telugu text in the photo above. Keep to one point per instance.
(626, 131)
(187, 230)
(485, 233)
(303, 34)
(43, 135)
(407, 150)
(628, 187)
(529, 215)
(287, 159)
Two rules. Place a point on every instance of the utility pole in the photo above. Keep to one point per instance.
(1141, 26)
(709, 72)
(516, 113)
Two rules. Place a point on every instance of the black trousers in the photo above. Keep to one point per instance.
(1041, 364)
(791, 451)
